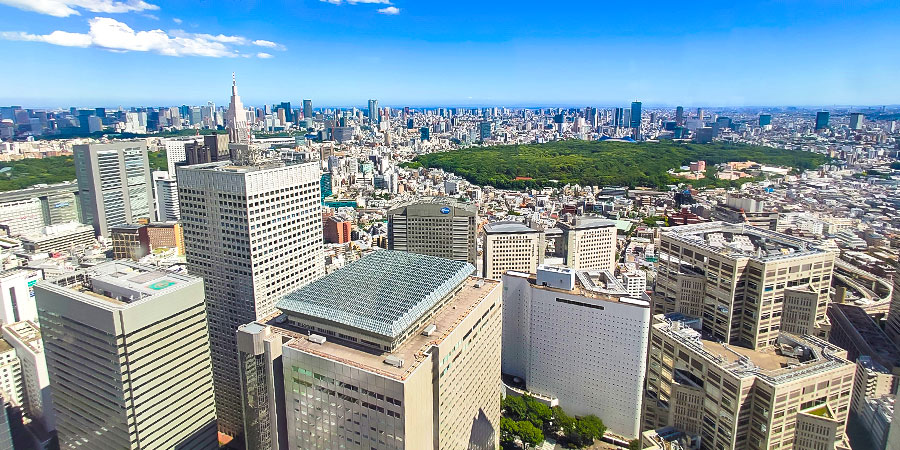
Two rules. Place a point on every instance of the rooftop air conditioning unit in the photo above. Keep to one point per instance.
(317, 339)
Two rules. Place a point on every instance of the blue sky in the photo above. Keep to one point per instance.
(462, 52)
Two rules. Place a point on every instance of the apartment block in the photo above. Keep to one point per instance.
(577, 339)
(127, 351)
(794, 394)
(254, 234)
(511, 246)
(437, 227)
(394, 351)
(748, 284)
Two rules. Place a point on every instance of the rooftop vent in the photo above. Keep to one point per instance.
(393, 361)
(429, 330)
(317, 339)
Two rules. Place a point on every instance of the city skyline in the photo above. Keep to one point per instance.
(344, 52)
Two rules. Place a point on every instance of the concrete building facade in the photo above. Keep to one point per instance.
(146, 380)
(748, 284)
(422, 374)
(114, 184)
(577, 338)
(435, 227)
(589, 243)
(511, 246)
(792, 395)
(254, 233)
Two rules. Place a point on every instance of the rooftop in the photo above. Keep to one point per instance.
(508, 227)
(116, 284)
(741, 241)
(383, 293)
(412, 351)
(793, 356)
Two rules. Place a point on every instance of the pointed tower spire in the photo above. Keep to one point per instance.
(233, 84)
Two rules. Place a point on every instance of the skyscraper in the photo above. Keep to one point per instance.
(588, 243)
(166, 196)
(127, 350)
(700, 114)
(765, 119)
(436, 227)
(619, 118)
(636, 115)
(236, 118)
(114, 184)
(822, 118)
(679, 116)
(856, 121)
(307, 109)
(393, 351)
(374, 118)
(254, 233)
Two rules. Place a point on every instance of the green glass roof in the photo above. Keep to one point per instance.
(382, 293)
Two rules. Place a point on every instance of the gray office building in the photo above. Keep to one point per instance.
(127, 349)
(114, 184)
(438, 227)
(254, 233)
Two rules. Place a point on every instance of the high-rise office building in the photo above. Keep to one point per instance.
(236, 118)
(127, 350)
(700, 115)
(578, 338)
(587, 243)
(307, 109)
(166, 194)
(393, 351)
(746, 283)
(374, 117)
(114, 183)
(25, 338)
(511, 246)
(11, 387)
(17, 295)
(765, 119)
(484, 130)
(679, 115)
(619, 118)
(254, 233)
(794, 394)
(822, 118)
(636, 115)
(24, 216)
(856, 121)
(892, 327)
(437, 227)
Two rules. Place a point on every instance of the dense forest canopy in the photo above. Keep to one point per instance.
(54, 169)
(602, 163)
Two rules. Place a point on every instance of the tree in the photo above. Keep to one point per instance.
(509, 430)
(538, 413)
(562, 421)
(635, 444)
(529, 433)
(591, 426)
(514, 407)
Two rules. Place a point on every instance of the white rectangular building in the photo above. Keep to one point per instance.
(578, 337)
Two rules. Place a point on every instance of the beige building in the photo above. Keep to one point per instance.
(393, 351)
(511, 246)
(589, 243)
(439, 227)
(748, 284)
(127, 351)
(792, 395)
(892, 328)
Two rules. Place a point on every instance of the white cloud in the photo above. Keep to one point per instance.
(110, 34)
(390, 10)
(177, 20)
(352, 2)
(65, 8)
(268, 44)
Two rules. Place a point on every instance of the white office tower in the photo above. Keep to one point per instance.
(25, 338)
(393, 351)
(511, 246)
(17, 295)
(589, 243)
(254, 233)
(10, 375)
(24, 216)
(576, 337)
(175, 151)
(437, 226)
(236, 118)
(166, 192)
(634, 279)
(114, 184)
(127, 350)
